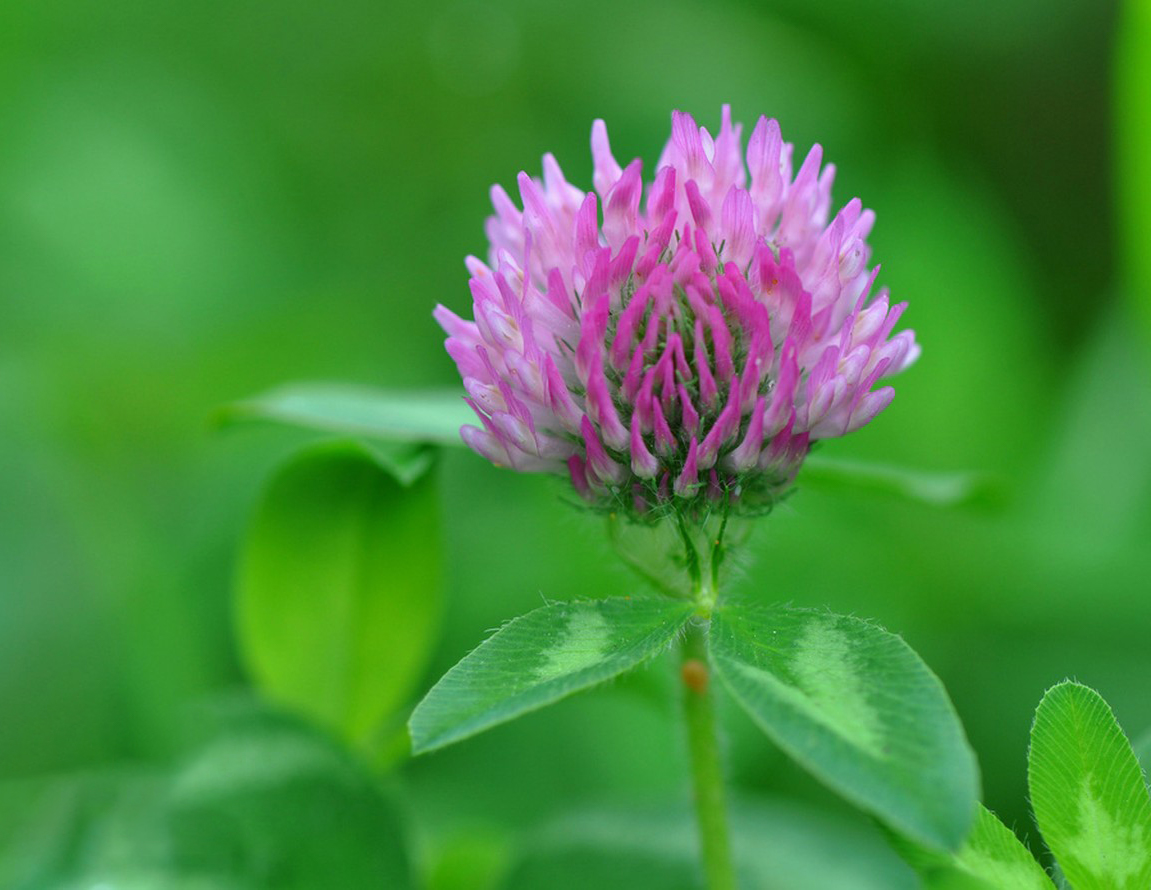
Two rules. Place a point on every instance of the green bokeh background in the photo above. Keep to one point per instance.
(199, 201)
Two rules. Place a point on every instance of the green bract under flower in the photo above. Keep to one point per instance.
(681, 345)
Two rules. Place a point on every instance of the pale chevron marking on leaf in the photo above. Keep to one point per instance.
(827, 687)
(585, 642)
(1125, 853)
(1006, 873)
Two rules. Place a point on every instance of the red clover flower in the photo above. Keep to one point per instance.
(687, 345)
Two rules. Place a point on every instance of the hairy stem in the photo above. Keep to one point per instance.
(690, 554)
(706, 771)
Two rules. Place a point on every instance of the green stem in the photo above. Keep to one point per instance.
(690, 554)
(718, 552)
(706, 772)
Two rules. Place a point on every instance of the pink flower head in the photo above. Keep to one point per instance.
(682, 342)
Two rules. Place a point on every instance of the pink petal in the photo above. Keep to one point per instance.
(607, 171)
(745, 455)
(687, 482)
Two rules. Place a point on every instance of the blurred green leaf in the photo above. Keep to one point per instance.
(781, 845)
(339, 589)
(154, 879)
(263, 801)
(935, 489)
(857, 707)
(104, 830)
(279, 805)
(1088, 792)
(1108, 395)
(80, 824)
(778, 846)
(349, 409)
(405, 461)
(611, 850)
(475, 860)
(623, 854)
(541, 657)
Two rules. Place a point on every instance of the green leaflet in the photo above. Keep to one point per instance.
(857, 707)
(540, 658)
(933, 489)
(339, 589)
(996, 855)
(992, 858)
(1088, 792)
(354, 410)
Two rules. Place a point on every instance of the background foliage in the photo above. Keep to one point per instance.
(199, 201)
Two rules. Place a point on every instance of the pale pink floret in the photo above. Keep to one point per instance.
(679, 343)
